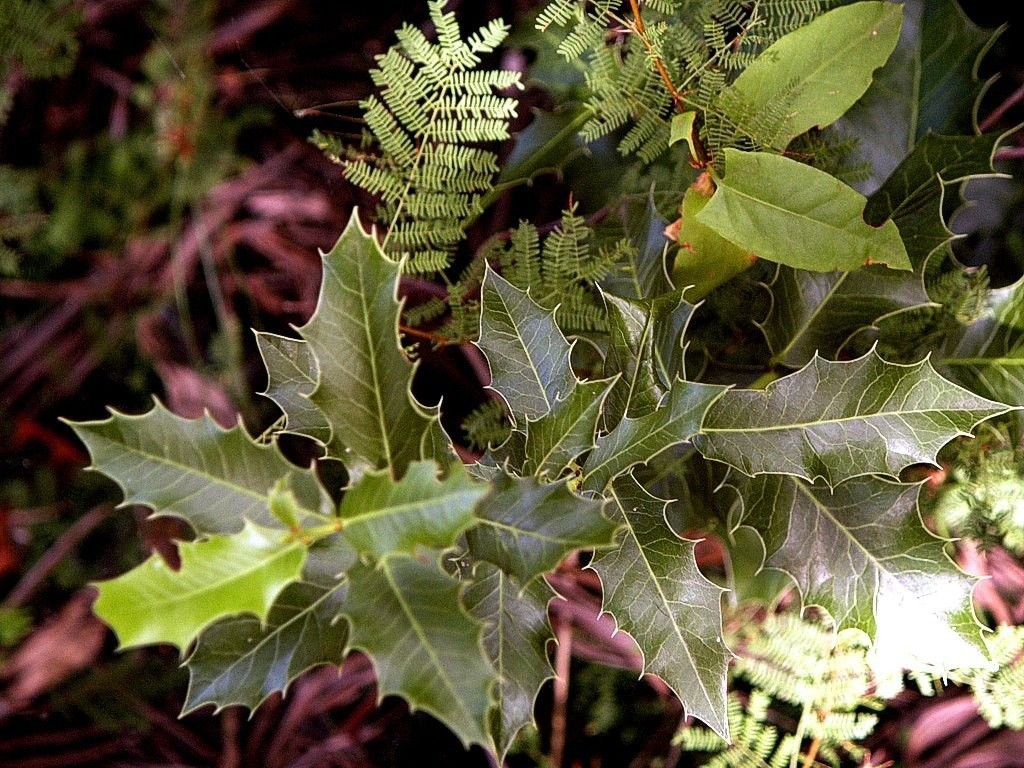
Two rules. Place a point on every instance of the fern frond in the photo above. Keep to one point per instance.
(431, 120)
(556, 13)
(487, 425)
(1000, 693)
(421, 314)
(756, 744)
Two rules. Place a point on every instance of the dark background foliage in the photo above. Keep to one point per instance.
(157, 200)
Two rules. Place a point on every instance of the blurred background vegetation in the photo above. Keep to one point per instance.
(159, 198)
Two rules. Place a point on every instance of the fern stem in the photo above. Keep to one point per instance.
(641, 31)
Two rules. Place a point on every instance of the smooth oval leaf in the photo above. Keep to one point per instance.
(793, 214)
(817, 72)
(219, 576)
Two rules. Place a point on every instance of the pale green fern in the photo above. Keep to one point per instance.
(429, 126)
(1000, 692)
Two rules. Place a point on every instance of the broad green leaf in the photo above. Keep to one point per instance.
(526, 528)
(928, 84)
(241, 660)
(219, 576)
(816, 73)
(292, 374)
(555, 441)
(637, 441)
(912, 195)
(683, 129)
(550, 141)
(527, 353)
(645, 351)
(384, 517)
(405, 614)
(838, 420)
(817, 312)
(364, 382)
(860, 551)
(705, 259)
(215, 479)
(793, 214)
(516, 633)
(656, 593)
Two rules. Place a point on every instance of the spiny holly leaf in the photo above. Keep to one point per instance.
(555, 441)
(656, 593)
(860, 551)
(793, 214)
(527, 353)
(242, 660)
(645, 350)
(405, 614)
(363, 388)
(292, 374)
(527, 527)
(516, 633)
(637, 441)
(642, 274)
(215, 479)
(817, 312)
(219, 576)
(988, 354)
(841, 420)
(383, 517)
(912, 195)
(819, 70)
(928, 84)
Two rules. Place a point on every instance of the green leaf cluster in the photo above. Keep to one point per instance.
(631, 438)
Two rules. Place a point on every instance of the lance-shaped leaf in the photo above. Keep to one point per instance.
(292, 373)
(215, 479)
(364, 382)
(656, 593)
(405, 614)
(527, 353)
(637, 441)
(817, 71)
(841, 420)
(242, 660)
(860, 551)
(793, 214)
(516, 633)
(527, 527)
(928, 84)
(645, 349)
(382, 516)
(555, 441)
(219, 576)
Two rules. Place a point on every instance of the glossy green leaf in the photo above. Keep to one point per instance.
(637, 441)
(219, 576)
(364, 382)
(292, 373)
(928, 84)
(656, 593)
(545, 146)
(241, 660)
(705, 259)
(912, 196)
(645, 351)
(526, 528)
(859, 550)
(384, 517)
(554, 442)
(793, 214)
(516, 634)
(838, 420)
(527, 353)
(817, 312)
(406, 615)
(215, 479)
(817, 71)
